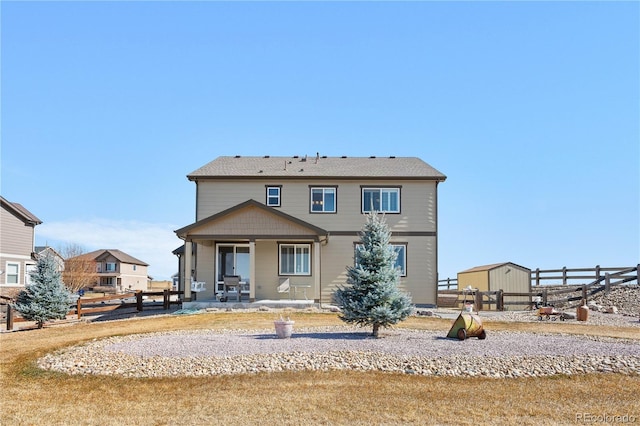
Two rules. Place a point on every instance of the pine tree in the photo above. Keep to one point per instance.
(373, 297)
(46, 298)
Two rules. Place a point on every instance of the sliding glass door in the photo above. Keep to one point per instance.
(233, 259)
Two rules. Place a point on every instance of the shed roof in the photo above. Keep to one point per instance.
(317, 167)
(491, 266)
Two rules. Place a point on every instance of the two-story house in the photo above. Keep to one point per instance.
(17, 240)
(267, 219)
(119, 270)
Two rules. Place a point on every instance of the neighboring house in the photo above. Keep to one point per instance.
(119, 270)
(46, 250)
(268, 219)
(17, 239)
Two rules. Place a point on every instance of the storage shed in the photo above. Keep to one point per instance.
(507, 276)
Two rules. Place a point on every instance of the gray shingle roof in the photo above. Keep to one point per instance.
(318, 167)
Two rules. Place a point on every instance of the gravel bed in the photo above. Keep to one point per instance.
(223, 352)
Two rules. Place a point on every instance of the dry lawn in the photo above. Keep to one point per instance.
(34, 397)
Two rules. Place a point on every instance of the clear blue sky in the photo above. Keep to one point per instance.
(530, 108)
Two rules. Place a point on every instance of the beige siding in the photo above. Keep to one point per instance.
(418, 215)
(252, 221)
(205, 270)
(418, 202)
(421, 279)
(510, 278)
(335, 257)
(477, 279)
(133, 279)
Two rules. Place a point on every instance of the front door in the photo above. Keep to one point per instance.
(233, 259)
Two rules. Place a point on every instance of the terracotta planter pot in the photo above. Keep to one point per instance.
(284, 329)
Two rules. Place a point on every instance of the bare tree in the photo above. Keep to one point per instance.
(79, 271)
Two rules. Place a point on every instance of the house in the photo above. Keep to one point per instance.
(297, 220)
(505, 276)
(17, 240)
(50, 251)
(119, 270)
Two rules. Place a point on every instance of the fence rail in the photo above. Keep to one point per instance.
(87, 306)
(564, 276)
(574, 293)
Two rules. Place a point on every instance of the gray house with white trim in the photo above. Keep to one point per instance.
(17, 241)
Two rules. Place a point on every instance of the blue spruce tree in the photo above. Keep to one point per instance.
(46, 298)
(372, 297)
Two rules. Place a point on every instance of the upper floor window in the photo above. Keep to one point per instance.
(13, 272)
(381, 200)
(323, 200)
(110, 267)
(295, 259)
(273, 196)
(401, 259)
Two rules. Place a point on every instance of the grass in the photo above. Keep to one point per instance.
(31, 396)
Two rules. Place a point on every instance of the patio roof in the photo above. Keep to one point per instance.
(250, 220)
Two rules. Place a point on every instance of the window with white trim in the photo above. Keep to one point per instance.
(273, 196)
(295, 259)
(385, 200)
(323, 200)
(13, 273)
(401, 259)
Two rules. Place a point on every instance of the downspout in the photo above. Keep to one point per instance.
(437, 270)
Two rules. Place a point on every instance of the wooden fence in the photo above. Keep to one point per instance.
(87, 306)
(563, 276)
(570, 293)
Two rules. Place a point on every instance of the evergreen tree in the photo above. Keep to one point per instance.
(46, 298)
(373, 297)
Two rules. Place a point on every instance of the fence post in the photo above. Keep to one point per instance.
(545, 297)
(500, 300)
(597, 273)
(638, 274)
(478, 300)
(584, 293)
(537, 277)
(564, 275)
(79, 308)
(139, 301)
(165, 299)
(607, 283)
(9, 317)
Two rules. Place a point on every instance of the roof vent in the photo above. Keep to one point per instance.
(237, 156)
(392, 156)
(295, 156)
(266, 156)
(324, 156)
(373, 156)
(344, 156)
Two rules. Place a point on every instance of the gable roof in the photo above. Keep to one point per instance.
(19, 211)
(40, 249)
(491, 266)
(265, 210)
(317, 167)
(121, 256)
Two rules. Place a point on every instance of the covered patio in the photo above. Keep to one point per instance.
(261, 247)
